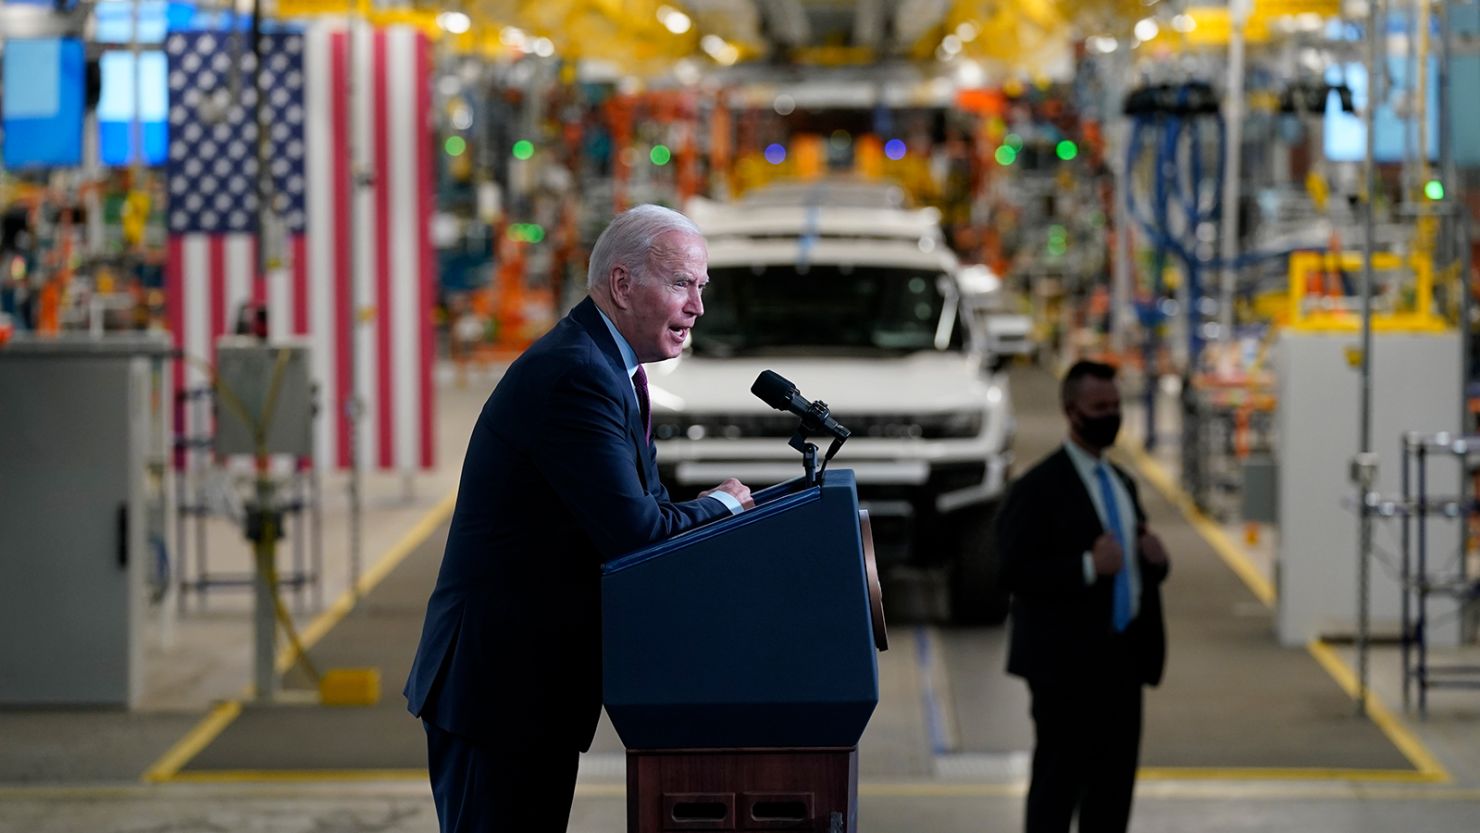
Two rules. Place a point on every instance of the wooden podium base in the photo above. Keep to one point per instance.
(672, 790)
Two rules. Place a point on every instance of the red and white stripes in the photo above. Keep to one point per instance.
(380, 126)
(358, 285)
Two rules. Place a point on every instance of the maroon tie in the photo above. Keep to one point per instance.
(639, 381)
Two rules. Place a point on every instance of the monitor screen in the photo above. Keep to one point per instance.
(123, 89)
(42, 102)
(115, 20)
(1345, 133)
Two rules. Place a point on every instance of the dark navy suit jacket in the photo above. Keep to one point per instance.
(1059, 624)
(558, 478)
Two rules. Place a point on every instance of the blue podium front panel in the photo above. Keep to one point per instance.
(755, 631)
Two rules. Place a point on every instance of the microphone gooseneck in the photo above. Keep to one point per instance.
(777, 391)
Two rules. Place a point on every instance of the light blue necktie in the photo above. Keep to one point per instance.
(1120, 613)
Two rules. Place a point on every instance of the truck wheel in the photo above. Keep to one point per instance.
(976, 594)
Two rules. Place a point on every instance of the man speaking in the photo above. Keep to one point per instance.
(560, 475)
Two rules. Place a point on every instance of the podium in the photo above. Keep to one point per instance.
(740, 665)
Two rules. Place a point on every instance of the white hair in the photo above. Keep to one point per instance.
(629, 238)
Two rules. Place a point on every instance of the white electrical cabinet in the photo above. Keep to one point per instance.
(1416, 387)
(75, 421)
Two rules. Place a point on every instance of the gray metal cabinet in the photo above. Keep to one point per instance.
(74, 432)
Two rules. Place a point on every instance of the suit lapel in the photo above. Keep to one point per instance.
(1078, 505)
(589, 317)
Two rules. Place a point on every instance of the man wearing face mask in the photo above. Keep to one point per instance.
(1085, 574)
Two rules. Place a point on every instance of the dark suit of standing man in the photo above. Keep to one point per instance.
(560, 475)
(1087, 632)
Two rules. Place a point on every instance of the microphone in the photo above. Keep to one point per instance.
(775, 390)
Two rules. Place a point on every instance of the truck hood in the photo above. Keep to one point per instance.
(918, 383)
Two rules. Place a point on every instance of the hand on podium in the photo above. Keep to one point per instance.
(735, 488)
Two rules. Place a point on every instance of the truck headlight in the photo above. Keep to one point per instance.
(953, 424)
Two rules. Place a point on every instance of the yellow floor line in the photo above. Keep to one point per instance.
(1381, 776)
(1145, 774)
(1429, 770)
(1147, 789)
(168, 767)
(1396, 730)
(1211, 532)
(238, 776)
(195, 740)
(940, 789)
(1178, 789)
(336, 612)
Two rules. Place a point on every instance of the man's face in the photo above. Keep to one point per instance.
(663, 301)
(1094, 414)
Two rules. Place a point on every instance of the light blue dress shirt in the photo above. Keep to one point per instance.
(1085, 463)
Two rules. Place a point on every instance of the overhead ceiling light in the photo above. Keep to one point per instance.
(1184, 23)
(687, 72)
(971, 74)
(719, 49)
(968, 31)
(1102, 44)
(510, 36)
(544, 47)
(1146, 29)
(951, 44)
(674, 20)
(454, 22)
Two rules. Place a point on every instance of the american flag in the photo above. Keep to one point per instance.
(366, 285)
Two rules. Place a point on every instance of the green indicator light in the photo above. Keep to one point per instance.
(1058, 240)
(660, 155)
(526, 232)
(1005, 155)
(1434, 189)
(1067, 150)
(455, 145)
(523, 149)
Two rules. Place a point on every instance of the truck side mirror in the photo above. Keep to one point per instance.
(995, 362)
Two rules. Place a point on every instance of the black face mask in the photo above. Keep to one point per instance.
(1099, 431)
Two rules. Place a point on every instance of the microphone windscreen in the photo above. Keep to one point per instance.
(774, 389)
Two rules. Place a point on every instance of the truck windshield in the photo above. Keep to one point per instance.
(824, 309)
